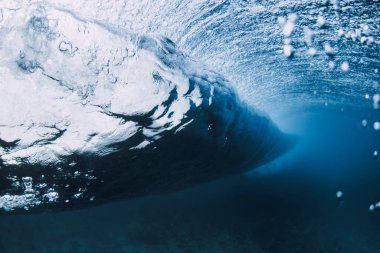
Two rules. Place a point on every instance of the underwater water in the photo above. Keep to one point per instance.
(311, 66)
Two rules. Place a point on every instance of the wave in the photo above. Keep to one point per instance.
(91, 112)
(245, 40)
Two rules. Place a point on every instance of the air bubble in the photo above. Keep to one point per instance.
(51, 196)
(376, 101)
(331, 64)
(287, 41)
(345, 66)
(309, 34)
(288, 28)
(312, 51)
(293, 17)
(328, 49)
(340, 32)
(288, 51)
(281, 20)
(363, 39)
(288, 25)
(370, 40)
(321, 22)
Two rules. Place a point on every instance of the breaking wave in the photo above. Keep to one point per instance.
(93, 112)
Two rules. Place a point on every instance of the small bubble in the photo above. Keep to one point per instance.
(335, 4)
(287, 41)
(376, 101)
(309, 34)
(331, 64)
(375, 154)
(345, 66)
(364, 123)
(288, 51)
(65, 46)
(312, 51)
(288, 29)
(371, 208)
(339, 195)
(292, 17)
(328, 49)
(281, 20)
(370, 40)
(22, 55)
(40, 24)
(321, 21)
(376, 125)
(288, 26)
(340, 32)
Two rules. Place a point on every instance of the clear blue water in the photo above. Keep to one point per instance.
(288, 205)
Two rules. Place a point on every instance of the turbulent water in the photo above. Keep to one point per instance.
(91, 114)
(312, 66)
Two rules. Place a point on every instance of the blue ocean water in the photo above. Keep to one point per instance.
(313, 68)
(286, 206)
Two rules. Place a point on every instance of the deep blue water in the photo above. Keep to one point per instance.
(286, 206)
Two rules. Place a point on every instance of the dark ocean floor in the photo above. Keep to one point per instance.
(287, 206)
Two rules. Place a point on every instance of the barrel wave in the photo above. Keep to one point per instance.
(90, 113)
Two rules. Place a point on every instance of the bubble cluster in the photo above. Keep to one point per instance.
(288, 24)
(374, 207)
(31, 196)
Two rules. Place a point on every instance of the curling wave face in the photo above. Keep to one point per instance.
(92, 113)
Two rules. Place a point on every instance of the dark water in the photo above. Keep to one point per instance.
(286, 206)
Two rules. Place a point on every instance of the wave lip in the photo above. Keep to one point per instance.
(91, 113)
